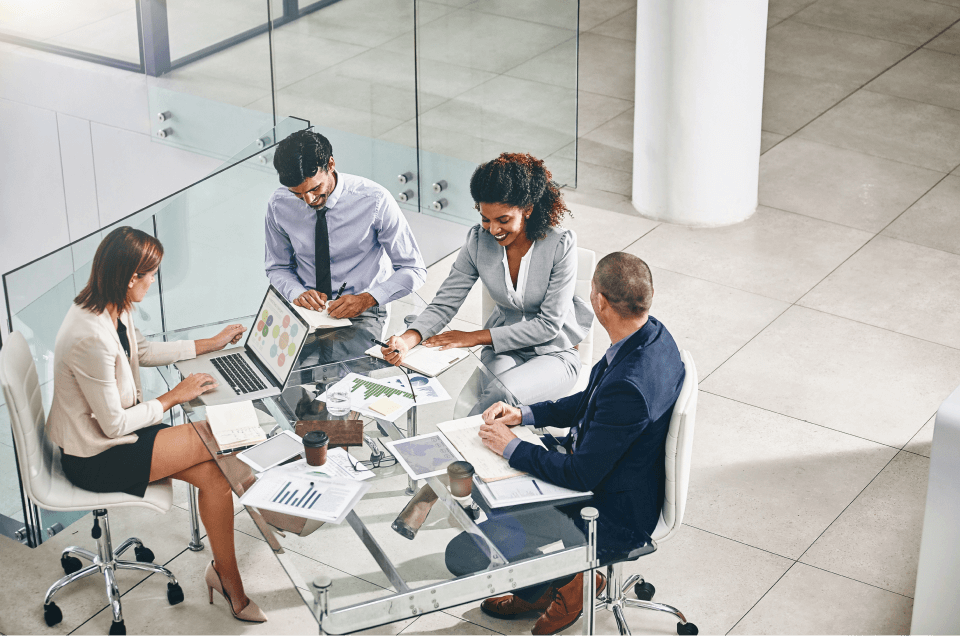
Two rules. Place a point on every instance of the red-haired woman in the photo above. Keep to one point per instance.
(113, 441)
(528, 264)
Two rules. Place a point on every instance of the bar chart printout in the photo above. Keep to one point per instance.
(365, 392)
(314, 497)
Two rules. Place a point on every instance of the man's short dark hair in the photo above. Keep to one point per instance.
(299, 156)
(625, 281)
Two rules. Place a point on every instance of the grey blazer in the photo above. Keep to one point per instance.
(556, 319)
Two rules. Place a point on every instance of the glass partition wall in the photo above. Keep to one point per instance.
(413, 94)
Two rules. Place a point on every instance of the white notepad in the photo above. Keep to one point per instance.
(321, 319)
(235, 425)
(426, 360)
(464, 435)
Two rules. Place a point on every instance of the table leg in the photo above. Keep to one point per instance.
(321, 589)
(195, 544)
(411, 432)
(590, 515)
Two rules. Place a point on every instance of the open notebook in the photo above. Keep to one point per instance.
(235, 425)
(426, 360)
(464, 434)
(321, 319)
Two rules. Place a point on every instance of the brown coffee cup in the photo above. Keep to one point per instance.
(461, 478)
(315, 447)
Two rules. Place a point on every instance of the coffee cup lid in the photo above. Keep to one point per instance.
(460, 469)
(315, 439)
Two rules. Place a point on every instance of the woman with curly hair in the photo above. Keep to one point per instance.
(528, 264)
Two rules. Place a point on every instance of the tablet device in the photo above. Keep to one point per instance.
(425, 455)
(272, 452)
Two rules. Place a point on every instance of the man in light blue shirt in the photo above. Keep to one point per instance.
(330, 232)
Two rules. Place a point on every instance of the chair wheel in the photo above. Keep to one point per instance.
(52, 614)
(174, 593)
(644, 591)
(70, 564)
(117, 627)
(688, 629)
(143, 554)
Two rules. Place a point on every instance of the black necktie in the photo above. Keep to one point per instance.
(323, 254)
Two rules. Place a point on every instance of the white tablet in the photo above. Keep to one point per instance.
(424, 455)
(272, 452)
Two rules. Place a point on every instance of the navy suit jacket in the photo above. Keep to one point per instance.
(622, 422)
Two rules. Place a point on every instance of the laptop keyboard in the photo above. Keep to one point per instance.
(237, 372)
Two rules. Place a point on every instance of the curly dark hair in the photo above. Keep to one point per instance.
(299, 156)
(520, 180)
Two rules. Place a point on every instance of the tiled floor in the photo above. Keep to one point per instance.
(824, 329)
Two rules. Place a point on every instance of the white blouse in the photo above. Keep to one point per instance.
(516, 295)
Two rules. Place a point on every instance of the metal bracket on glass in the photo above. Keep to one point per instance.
(386, 566)
(466, 522)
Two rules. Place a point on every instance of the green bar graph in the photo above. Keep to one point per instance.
(374, 390)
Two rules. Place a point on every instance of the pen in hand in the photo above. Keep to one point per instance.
(382, 344)
(339, 291)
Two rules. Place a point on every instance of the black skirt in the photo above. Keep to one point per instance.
(121, 468)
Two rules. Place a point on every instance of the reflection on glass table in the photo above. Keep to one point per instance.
(407, 547)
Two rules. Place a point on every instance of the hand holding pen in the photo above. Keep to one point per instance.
(393, 350)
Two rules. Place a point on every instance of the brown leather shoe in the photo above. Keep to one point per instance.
(509, 606)
(567, 606)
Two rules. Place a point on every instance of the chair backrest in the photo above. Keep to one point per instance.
(679, 451)
(21, 389)
(586, 264)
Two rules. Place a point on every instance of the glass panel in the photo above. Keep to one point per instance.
(495, 76)
(106, 28)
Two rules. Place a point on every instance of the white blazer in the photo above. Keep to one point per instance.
(97, 398)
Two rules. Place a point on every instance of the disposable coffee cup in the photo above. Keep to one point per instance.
(315, 447)
(461, 478)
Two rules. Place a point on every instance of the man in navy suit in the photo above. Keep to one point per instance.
(615, 447)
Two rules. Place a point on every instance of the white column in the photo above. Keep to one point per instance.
(699, 98)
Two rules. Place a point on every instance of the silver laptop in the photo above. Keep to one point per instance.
(262, 366)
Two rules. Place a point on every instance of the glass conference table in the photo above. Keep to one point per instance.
(362, 573)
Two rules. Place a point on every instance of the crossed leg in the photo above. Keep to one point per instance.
(179, 452)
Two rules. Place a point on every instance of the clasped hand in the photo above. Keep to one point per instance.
(495, 431)
(347, 306)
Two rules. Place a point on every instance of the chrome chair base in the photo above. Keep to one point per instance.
(614, 600)
(106, 561)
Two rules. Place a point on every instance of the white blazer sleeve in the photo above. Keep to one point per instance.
(93, 364)
(157, 354)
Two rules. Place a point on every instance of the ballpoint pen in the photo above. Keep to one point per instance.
(382, 344)
(340, 291)
(536, 486)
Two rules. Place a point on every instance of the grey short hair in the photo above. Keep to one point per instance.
(625, 281)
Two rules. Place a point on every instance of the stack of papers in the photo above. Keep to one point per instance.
(464, 434)
(321, 319)
(523, 490)
(426, 360)
(235, 425)
(305, 494)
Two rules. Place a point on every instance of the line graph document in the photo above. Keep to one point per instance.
(464, 434)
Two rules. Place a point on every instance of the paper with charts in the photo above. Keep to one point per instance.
(464, 434)
(426, 360)
(312, 496)
(321, 319)
(366, 392)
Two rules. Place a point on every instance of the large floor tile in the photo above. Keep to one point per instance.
(877, 539)
(557, 67)
(623, 26)
(892, 127)
(842, 374)
(916, 294)
(115, 37)
(593, 177)
(594, 110)
(595, 12)
(561, 14)
(607, 65)
(811, 601)
(926, 76)
(792, 101)
(593, 227)
(906, 21)
(616, 133)
(771, 481)
(146, 611)
(840, 185)
(773, 253)
(711, 321)
(826, 54)
(948, 42)
(769, 139)
(923, 440)
(712, 580)
(783, 9)
(934, 220)
(444, 623)
(598, 154)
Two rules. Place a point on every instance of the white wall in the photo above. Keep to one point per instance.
(75, 153)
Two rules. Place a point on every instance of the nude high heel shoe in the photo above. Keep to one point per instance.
(251, 613)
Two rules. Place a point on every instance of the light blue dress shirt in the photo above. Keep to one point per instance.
(526, 413)
(372, 248)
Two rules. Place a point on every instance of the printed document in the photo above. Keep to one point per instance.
(464, 434)
(321, 319)
(523, 490)
(426, 360)
(312, 496)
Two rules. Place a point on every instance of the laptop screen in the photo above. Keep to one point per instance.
(277, 335)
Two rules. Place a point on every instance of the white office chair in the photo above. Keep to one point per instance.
(679, 450)
(586, 265)
(46, 486)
